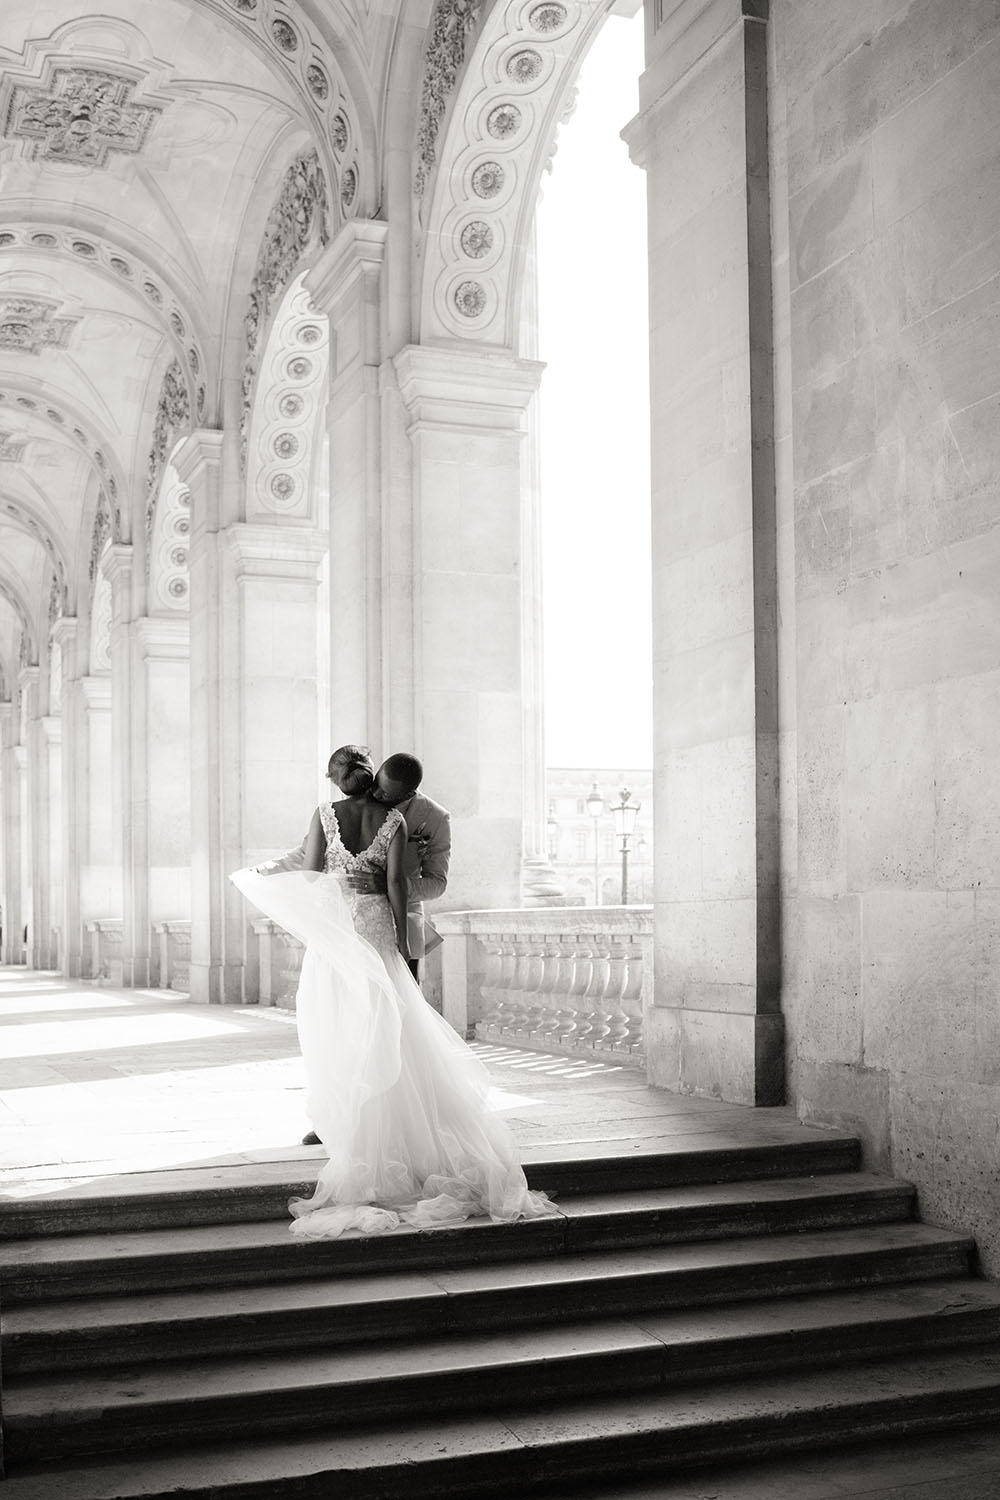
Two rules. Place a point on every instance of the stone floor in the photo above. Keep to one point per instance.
(108, 1090)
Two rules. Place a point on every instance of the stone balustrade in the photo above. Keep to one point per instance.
(103, 953)
(279, 960)
(173, 954)
(571, 980)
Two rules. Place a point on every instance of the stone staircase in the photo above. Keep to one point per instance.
(685, 1306)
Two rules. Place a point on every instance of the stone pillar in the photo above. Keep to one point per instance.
(128, 771)
(98, 867)
(456, 606)
(161, 794)
(38, 874)
(48, 901)
(10, 787)
(345, 284)
(63, 635)
(701, 135)
(255, 760)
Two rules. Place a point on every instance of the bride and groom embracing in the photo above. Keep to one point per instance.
(397, 1098)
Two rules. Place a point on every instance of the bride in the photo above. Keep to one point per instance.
(398, 1099)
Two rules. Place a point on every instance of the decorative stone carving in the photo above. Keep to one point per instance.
(173, 413)
(285, 35)
(11, 448)
(547, 17)
(487, 179)
(286, 421)
(470, 299)
(29, 324)
(168, 550)
(55, 598)
(503, 121)
(476, 239)
(453, 22)
(338, 133)
(319, 84)
(298, 221)
(348, 188)
(282, 487)
(79, 115)
(286, 445)
(100, 533)
(524, 66)
(290, 404)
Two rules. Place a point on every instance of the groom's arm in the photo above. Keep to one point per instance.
(430, 878)
(293, 860)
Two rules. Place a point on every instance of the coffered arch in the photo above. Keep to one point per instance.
(478, 166)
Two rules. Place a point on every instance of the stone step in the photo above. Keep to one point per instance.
(212, 1399)
(211, 1196)
(521, 1449)
(230, 1255)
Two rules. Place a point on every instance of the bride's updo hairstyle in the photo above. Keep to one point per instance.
(353, 769)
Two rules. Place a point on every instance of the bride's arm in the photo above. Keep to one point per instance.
(396, 887)
(315, 855)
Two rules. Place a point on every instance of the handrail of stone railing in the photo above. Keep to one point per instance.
(572, 980)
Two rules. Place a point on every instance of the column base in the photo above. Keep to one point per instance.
(717, 1054)
(540, 884)
(216, 984)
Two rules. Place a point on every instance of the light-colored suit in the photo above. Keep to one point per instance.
(425, 865)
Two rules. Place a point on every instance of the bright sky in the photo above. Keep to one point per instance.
(593, 335)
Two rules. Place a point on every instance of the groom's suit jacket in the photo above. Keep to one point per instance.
(425, 865)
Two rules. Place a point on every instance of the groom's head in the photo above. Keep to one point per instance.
(397, 779)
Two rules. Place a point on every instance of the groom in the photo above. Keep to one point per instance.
(425, 859)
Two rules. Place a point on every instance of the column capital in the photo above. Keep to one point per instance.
(266, 552)
(357, 253)
(163, 637)
(63, 632)
(96, 691)
(200, 450)
(486, 391)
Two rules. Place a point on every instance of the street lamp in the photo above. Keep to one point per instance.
(595, 806)
(625, 813)
(552, 829)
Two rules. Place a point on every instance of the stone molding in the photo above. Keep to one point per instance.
(253, 551)
(173, 414)
(163, 638)
(357, 252)
(484, 390)
(451, 26)
(109, 477)
(96, 691)
(685, 39)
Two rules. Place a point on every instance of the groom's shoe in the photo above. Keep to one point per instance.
(312, 1139)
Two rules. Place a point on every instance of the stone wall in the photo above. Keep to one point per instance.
(892, 114)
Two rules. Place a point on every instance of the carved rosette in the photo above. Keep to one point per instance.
(173, 416)
(289, 399)
(298, 223)
(169, 548)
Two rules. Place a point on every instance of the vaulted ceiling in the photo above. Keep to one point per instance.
(141, 149)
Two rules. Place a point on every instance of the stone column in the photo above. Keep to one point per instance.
(63, 634)
(161, 789)
(701, 135)
(456, 606)
(99, 867)
(48, 900)
(128, 771)
(10, 787)
(255, 760)
(37, 872)
(345, 284)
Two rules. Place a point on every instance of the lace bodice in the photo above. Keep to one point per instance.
(339, 857)
(372, 915)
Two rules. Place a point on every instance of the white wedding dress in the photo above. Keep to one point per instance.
(397, 1098)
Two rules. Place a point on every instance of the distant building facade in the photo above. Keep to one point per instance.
(583, 850)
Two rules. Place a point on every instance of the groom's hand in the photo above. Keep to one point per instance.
(367, 883)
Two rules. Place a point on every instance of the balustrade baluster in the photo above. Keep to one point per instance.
(490, 989)
(536, 1006)
(579, 984)
(596, 991)
(632, 995)
(617, 979)
(549, 988)
(516, 1000)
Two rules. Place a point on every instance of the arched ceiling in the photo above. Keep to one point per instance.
(141, 146)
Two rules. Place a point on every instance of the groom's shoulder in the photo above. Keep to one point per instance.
(426, 809)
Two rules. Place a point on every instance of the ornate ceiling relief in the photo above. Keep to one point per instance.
(173, 415)
(11, 448)
(288, 397)
(298, 223)
(29, 324)
(101, 534)
(498, 137)
(95, 454)
(78, 115)
(128, 268)
(23, 517)
(453, 21)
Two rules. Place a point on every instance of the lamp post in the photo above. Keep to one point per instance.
(595, 806)
(552, 830)
(625, 812)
